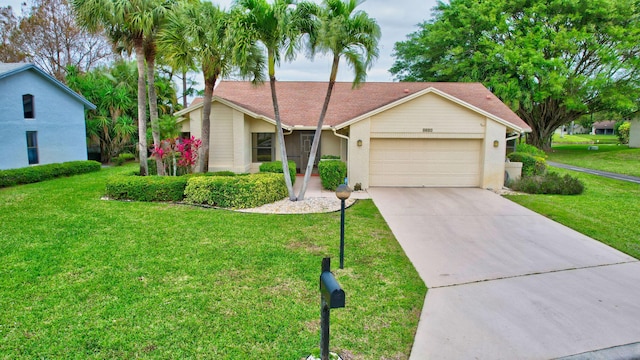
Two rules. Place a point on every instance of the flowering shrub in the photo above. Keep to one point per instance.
(178, 155)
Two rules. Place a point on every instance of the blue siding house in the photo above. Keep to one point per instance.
(41, 119)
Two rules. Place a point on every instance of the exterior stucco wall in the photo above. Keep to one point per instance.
(59, 122)
(429, 116)
(358, 163)
(634, 134)
(330, 144)
(494, 157)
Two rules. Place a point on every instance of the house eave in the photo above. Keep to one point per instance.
(87, 104)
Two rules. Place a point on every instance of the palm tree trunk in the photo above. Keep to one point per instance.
(318, 134)
(184, 88)
(142, 107)
(209, 84)
(153, 109)
(276, 110)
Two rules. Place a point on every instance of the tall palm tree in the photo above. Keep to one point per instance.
(343, 31)
(199, 35)
(127, 23)
(279, 27)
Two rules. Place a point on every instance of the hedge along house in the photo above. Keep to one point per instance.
(389, 134)
(42, 121)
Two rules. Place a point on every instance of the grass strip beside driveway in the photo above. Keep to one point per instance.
(84, 278)
(607, 211)
(617, 159)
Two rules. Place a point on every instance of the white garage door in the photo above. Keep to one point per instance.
(425, 162)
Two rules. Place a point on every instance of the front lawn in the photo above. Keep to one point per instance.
(613, 158)
(607, 211)
(584, 139)
(84, 278)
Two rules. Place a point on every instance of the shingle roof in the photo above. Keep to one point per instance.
(9, 69)
(300, 103)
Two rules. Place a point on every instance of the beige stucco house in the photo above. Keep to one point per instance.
(389, 134)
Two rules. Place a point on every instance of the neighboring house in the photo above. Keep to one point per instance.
(634, 134)
(603, 127)
(41, 119)
(389, 134)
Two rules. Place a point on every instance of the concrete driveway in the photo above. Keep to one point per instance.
(507, 283)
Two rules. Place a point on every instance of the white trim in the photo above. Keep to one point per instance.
(235, 107)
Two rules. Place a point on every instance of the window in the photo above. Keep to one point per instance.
(28, 106)
(32, 147)
(263, 147)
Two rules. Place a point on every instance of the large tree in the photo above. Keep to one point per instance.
(48, 36)
(279, 26)
(200, 35)
(552, 62)
(342, 31)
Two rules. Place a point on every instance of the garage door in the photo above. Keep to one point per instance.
(425, 162)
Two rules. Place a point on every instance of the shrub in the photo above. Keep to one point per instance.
(531, 165)
(549, 183)
(146, 188)
(530, 149)
(332, 173)
(623, 132)
(238, 192)
(123, 158)
(276, 167)
(39, 173)
(330, 157)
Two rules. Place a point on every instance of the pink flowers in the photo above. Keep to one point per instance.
(178, 154)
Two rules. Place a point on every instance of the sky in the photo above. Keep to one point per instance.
(396, 18)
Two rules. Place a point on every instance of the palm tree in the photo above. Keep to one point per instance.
(200, 35)
(127, 23)
(279, 27)
(343, 31)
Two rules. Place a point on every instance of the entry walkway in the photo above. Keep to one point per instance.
(507, 283)
(607, 174)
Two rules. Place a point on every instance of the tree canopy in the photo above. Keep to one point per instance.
(551, 61)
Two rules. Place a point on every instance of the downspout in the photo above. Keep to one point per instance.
(348, 152)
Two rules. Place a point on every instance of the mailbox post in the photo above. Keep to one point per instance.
(331, 297)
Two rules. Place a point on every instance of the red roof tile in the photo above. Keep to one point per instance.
(300, 103)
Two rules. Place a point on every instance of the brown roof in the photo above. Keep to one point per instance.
(196, 101)
(608, 124)
(300, 103)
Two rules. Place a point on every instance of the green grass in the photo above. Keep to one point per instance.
(84, 278)
(613, 158)
(585, 139)
(607, 211)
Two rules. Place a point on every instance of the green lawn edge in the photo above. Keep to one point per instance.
(606, 211)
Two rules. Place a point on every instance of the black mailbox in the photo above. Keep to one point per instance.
(331, 291)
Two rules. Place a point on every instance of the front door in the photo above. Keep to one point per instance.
(306, 140)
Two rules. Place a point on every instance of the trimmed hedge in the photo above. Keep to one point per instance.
(531, 165)
(549, 183)
(276, 167)
(33, 174)
(239, 192)
(146, 188)
(332, 173)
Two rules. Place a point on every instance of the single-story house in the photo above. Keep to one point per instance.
(42, 121)
(603, 127)
(389, 134)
